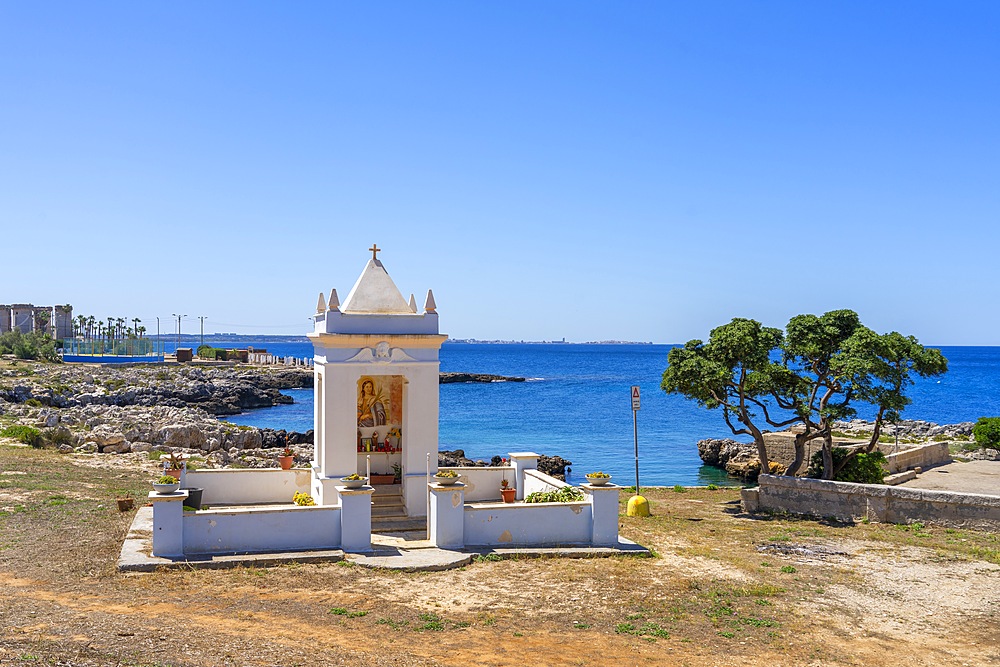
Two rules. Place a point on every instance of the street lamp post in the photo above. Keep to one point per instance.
(179, 318)
(202, 318)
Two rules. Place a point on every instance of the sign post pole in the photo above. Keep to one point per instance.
(637, 505)
(635, 433)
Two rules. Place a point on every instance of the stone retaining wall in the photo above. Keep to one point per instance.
(889, 504)
(925, 456)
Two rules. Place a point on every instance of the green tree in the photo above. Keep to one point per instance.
(812, 375)
(734, 371)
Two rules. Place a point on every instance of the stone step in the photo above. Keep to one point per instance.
(397, 524)
(387, 501)
(394, 510)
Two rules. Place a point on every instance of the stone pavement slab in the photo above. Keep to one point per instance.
(982, 477)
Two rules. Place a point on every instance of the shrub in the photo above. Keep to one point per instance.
(26, 434)
(566, 494)
(862, 469)
(987, 432)
(34, 345)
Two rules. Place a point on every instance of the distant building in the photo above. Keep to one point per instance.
(25, 317)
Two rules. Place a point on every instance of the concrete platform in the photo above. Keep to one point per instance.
(406, 550)
(981, 477)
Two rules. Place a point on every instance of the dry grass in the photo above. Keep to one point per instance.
(724, 589)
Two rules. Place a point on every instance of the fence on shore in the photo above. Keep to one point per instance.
(264, 359)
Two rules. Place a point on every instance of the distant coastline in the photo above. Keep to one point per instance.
(280, 338)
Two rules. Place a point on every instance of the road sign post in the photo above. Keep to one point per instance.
(637, 505)
(635, 433)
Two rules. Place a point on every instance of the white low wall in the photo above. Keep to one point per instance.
(248, 487)
(483, 484)
(261, 530)
(543, 524)
(539, 481)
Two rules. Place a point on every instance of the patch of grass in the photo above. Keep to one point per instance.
(679, 489)
(916, 528)
(344, 611)
(758, 622)
(431, 622)
(788, 569)
(395, 625)
(577, 625)
(487, 558)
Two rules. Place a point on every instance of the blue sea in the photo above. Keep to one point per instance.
(576, 404)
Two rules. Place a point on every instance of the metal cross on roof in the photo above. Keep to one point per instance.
(374, 250)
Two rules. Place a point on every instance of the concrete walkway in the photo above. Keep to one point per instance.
(408, 551)
(982, 477)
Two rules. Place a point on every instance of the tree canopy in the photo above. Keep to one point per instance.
(810, 375)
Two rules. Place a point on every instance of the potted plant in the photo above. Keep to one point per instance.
(166, 484)
(125, 503)
(174, 463)
(446, 477)
(397, 473)
(354, 481)
(506, 491)
(287, 458)
(386, 478)
(599, 478)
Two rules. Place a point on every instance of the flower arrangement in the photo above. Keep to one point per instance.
(353, 477)
(167, 479)
(600, 474)
(447, 474)
(303, 499)
(395, 433)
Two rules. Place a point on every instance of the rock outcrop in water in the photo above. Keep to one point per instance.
(448, 378)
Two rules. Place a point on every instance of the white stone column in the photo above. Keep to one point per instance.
(168, 524)
(604, 506)
(522, 461)
(447, 514)
(356, 518)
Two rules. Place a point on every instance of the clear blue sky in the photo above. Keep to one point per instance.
(637, 170)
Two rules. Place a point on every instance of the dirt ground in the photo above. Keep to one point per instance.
(722, 589)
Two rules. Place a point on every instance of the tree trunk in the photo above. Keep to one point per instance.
(800, 453)
(758, 439)
(828, 471)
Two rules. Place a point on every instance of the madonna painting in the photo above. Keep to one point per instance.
(372, 403)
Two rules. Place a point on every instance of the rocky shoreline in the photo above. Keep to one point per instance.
(148, 410)
(739, 459)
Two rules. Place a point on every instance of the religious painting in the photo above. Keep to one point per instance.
(379, 400)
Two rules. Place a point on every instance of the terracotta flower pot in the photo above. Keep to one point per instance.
(508, 495)
(286, 462)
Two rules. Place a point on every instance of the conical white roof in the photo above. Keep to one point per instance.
(374, 292)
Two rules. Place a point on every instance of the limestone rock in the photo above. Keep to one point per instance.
(105, 435)
(181, 435)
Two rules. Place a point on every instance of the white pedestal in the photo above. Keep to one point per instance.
(168, 524)
(447, 512)
(356, 519)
